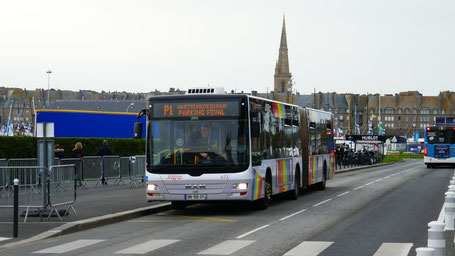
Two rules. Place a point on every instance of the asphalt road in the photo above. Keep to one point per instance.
(366, 212)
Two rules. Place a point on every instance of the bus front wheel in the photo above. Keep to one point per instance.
(262, 203)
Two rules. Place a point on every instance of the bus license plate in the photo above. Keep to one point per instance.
(196, 197)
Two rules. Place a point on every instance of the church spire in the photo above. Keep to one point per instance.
(283, 78)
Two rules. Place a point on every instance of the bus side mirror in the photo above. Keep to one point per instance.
(138, 125)
(138, 130)
(255, 129)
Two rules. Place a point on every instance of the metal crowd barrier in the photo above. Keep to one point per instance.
(111, 169)
(137, 170)
(3, 177)
(125, 169)
(78, 169)
(30, 187)
(92, 170)
(62, 188)
(22, 162)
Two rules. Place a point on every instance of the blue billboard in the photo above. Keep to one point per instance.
(90, 124)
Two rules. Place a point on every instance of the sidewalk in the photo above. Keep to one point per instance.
(110, 202)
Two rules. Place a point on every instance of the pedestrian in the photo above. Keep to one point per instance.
(79, 153)
(104, 150)
(59, 152)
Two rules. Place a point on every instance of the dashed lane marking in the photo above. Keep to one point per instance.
(308, 248)
(252, 231)
(147, 246)
(71, 246)
(227, 247)
(396, 249)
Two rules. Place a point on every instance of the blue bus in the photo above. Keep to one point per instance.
(440, 143)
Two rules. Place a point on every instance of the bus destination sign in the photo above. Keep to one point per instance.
(203, 109)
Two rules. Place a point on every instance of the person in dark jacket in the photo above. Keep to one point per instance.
(105, 150)
(59, 152)
(79, 153)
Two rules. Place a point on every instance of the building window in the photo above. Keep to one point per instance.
(399, 111)
(414, 111)
(407, 111)
(435, 111)
(425, 111)
(443, 112)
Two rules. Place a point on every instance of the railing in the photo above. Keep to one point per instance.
(64, 178)
(62, 188)
(30, 187)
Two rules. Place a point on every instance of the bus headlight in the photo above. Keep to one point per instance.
(152, 187)
(241, 186)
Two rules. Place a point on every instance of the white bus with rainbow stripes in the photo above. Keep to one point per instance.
(209, 146)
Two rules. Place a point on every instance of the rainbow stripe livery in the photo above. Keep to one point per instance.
(278, 110)
(284, 175)
(257, 185)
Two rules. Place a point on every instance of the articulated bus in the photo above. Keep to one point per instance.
(208, 146)
(440, 143)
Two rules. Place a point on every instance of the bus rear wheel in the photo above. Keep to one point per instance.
(178, 205)
(294, 194)
(321, 185)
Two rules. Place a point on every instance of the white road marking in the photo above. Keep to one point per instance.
(396, 249)
(359, 187)
(252, 231)
(227, 247)
(342, 194)
(147, 246)
(308, 248)
(378, 180)
(386, 177)
(323, 202)
(368, 184)
(4, 238)
(442, 213)
(289, 216)
(70, 246)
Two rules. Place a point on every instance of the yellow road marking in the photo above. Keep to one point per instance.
(143, 221)
(200, 218)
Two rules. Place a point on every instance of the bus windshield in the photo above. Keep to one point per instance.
(182, 146)
(446, 136)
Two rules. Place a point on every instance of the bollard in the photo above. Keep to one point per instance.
(16, 207)
(436, 238)
(449, 210)
(425, 251)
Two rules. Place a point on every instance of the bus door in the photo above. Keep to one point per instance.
(285, 175)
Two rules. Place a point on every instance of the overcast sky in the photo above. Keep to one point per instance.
(349, 46)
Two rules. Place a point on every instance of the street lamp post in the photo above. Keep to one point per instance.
(49, 72)
(128, 108)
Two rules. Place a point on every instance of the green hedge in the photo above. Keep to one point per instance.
(25, 147)
(400, 157)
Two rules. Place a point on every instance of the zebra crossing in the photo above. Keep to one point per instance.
(4, 238)
(228, 247)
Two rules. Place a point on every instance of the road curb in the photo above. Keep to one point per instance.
(362, 167)
(99, 221)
